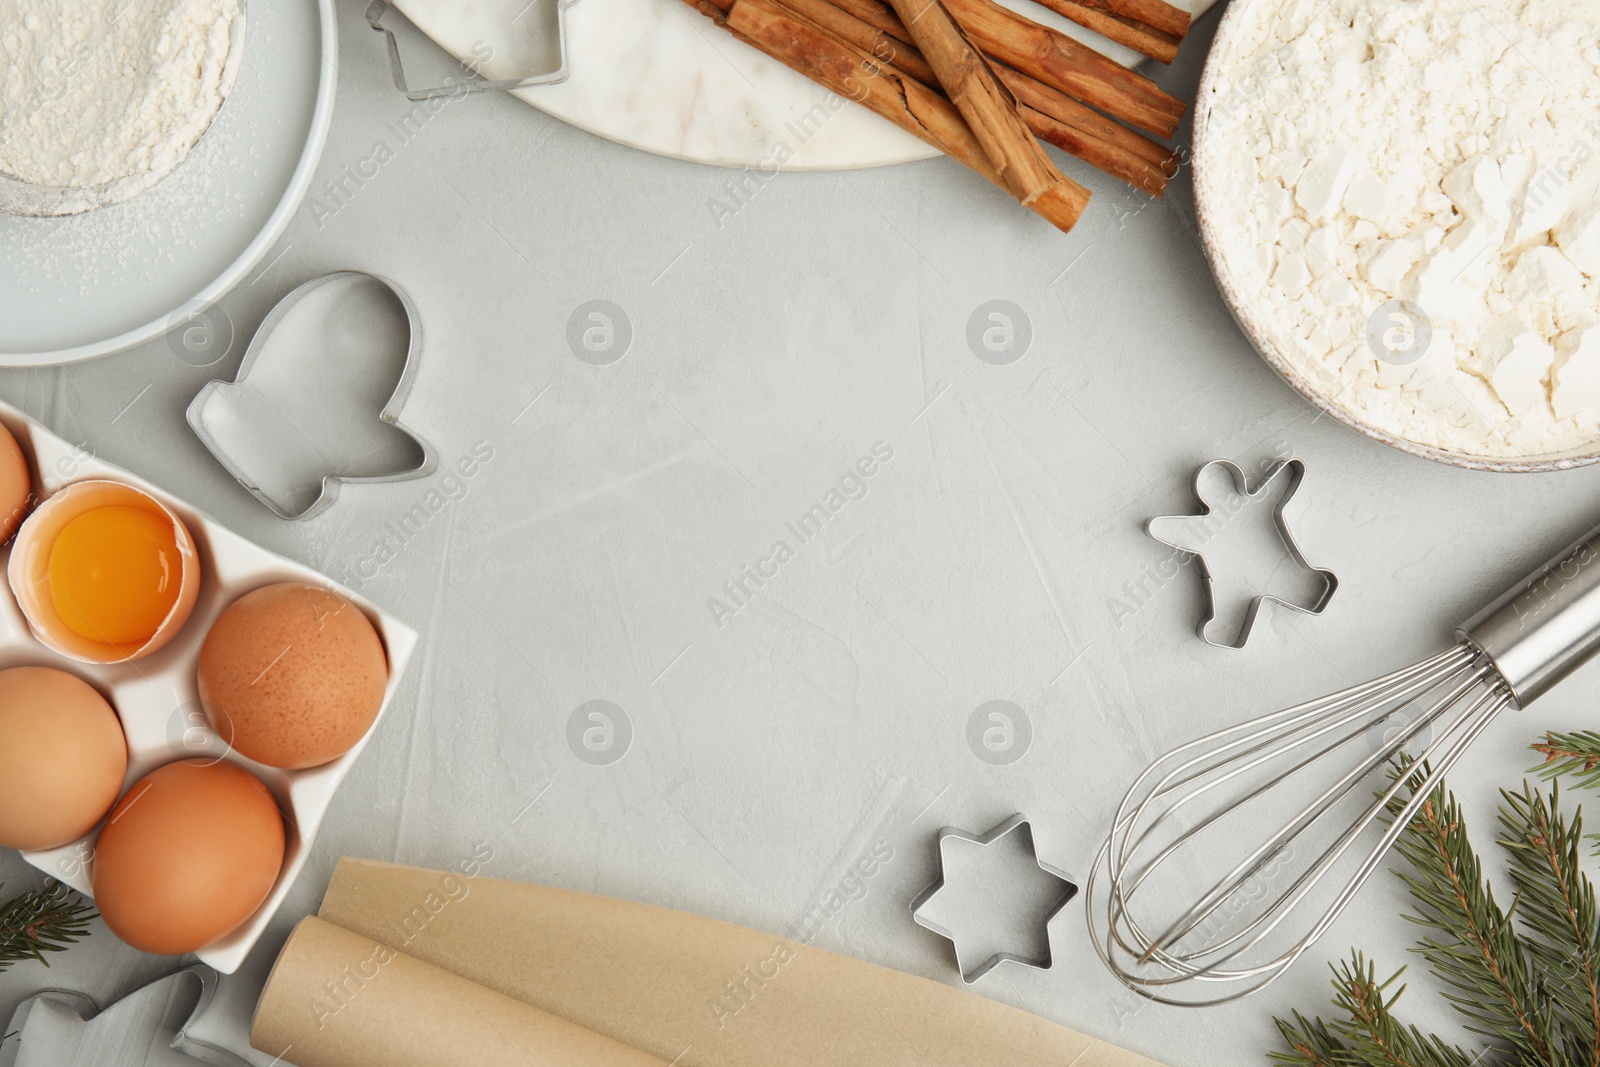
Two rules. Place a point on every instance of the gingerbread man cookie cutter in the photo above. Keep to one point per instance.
(1168, 531)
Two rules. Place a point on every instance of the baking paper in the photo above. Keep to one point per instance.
(686, 990)
(338, 999)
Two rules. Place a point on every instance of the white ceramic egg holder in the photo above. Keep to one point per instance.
(155, 697)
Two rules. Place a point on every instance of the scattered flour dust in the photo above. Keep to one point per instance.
(1374, 160)
(101, 99)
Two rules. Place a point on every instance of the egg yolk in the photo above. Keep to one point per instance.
(115, 573)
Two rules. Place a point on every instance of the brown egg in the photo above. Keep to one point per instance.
(188, 854)
(16, 485)
(292, 675)
(62, 757)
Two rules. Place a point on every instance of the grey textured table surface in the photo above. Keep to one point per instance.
(987, 558)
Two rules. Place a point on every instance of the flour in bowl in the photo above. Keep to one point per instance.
(1405, 198)
(101, 99)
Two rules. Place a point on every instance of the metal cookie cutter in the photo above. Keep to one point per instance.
(153, 1024)
(925, 901)
(1169, 530)
(529, 45)
(312, 407)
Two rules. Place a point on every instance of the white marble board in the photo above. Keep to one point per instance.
(656, 75)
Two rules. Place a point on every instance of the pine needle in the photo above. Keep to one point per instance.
(1473, 949)
(1311, 1044)
(1575, 754)
(1527, 977)
(1369, 1033)
(1556, 914)
(45, 920)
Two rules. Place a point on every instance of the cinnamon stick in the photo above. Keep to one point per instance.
(1068, 65)
(1051, 115)
(1047, 56)
(1157, 14)
(856, 75)
(1064, 109)
(986, 104)
(877, 14)
(1139, 36)
(1136, 172)
(894, 50)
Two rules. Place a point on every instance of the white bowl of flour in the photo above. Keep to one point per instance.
(104, 98)
(82, 285)
(1401, 204)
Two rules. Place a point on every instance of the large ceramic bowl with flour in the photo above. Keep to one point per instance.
(1401, 205)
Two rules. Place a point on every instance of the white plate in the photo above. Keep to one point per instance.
(156, 698)
(82, 286)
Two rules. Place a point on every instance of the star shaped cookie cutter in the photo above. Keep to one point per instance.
(1294, 470)
(1013, 823)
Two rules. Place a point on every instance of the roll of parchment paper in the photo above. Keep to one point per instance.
(338, 999)
(686, 990)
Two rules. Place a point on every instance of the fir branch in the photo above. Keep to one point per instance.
(1311, 1044)
(1575, 753)
(1369, 1035)
(1486, 971)
(1374, 1034)
(1527, 977)
(45, 920)
(1557, 915)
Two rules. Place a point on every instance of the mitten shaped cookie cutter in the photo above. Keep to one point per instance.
(271, 427)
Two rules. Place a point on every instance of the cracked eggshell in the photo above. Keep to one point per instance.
(29, 570)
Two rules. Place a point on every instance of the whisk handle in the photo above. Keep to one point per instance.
(1545, 627)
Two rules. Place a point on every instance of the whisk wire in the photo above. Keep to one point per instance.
(1305, 735)
(1265, 731)
(1486, 709)
(1275, 914)
(1236, 879)
(1273, 734)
